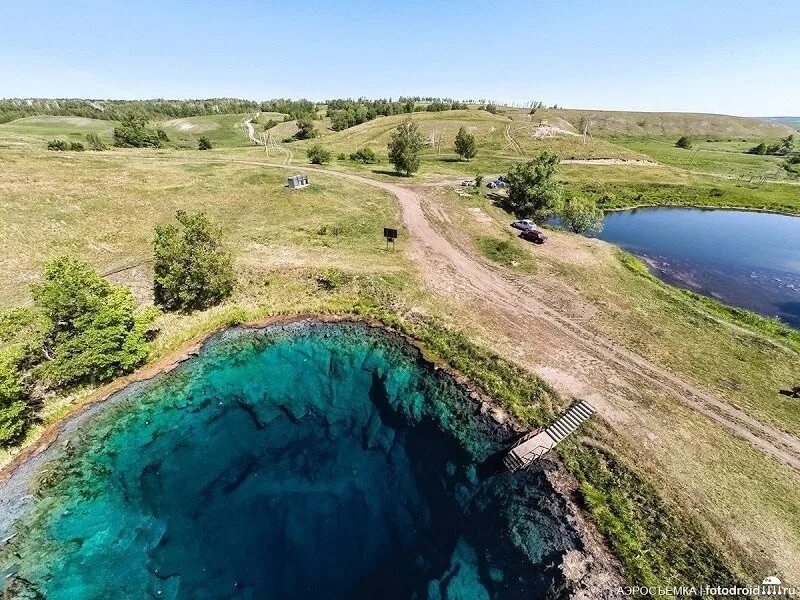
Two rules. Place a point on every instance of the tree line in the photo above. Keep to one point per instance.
(346, 113)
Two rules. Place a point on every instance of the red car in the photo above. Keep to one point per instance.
(533, 235)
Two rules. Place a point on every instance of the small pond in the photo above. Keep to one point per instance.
(299, 461)
(743, 258)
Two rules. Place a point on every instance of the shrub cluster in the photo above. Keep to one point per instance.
(62, 146)
(318, 155)
(364, 155)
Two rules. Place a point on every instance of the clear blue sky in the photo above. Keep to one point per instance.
(713, 56)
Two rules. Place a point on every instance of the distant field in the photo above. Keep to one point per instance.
(724, 158)
(41, 129)
(664, 186)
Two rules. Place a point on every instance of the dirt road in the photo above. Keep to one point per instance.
(251, 135)
(573, 359)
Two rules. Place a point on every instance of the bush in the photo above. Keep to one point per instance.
(204, 144)
(465, 144)
(59, 145)
(127, 137)
(580, 214)
(364, 155)
(270, 124)
(306, 129)
(405, 144)
(318, 155)
(95, 143)
(341, 156)
(134, 133)
(63, 146)
(760, 149)
(492, 108)
(193, 270)
(93, 333)
(684, 142)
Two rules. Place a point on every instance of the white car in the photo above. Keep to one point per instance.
(524, 225)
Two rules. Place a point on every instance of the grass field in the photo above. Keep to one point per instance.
(717, 157)
(102, 208)
(37, 131)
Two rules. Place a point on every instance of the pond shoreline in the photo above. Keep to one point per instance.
(192, 348)
(17, 477)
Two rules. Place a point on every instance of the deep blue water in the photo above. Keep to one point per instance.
(746, 259)
(322, 461)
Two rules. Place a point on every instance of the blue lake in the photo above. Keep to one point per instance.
(746, 259)
(305, 461)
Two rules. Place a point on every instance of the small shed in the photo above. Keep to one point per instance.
(297, 181)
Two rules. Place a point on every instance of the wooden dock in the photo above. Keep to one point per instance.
(534, 445)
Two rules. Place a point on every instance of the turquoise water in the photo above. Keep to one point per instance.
(309, 461)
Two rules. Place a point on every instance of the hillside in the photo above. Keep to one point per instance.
(506, 136)
(222, 130)
(605, 123)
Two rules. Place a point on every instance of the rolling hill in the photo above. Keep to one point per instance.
(605, 123)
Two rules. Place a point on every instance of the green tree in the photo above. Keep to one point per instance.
(405, 144)
(204, 143)
(305, 129)
(684, 142)
(134, 133)
(13, 407)
(465, 144)
(581, 214)
(318, 155)
(193, 269)
(533, 192)
(93, 332)
(786, 146)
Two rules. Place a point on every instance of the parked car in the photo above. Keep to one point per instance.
(467, 183)
(533, 235)
(491, 185)
(523, 224)
(495, 183)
